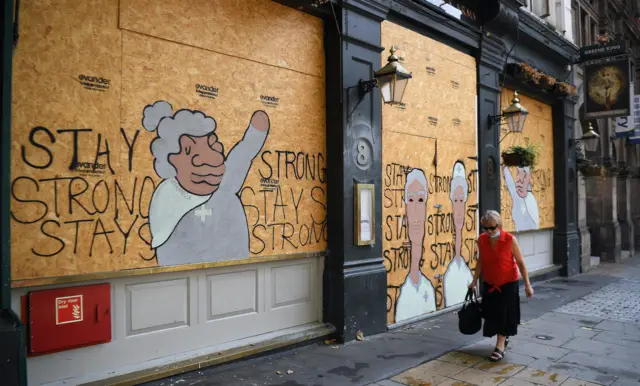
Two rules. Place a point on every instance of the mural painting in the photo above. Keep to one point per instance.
(130, 158)
(195, 213)
(417, 295)
(430, 219)
(527, 192)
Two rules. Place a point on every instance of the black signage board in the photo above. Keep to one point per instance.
(597, 51)
(607, 90)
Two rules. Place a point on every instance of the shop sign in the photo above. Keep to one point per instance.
(69, 309)
(607, 89)
(597, 51)
(625, 126)
(634, 139)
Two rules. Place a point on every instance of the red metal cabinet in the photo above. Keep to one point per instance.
(67, 318)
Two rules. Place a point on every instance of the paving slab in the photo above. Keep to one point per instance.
(571, 319)
(604, 349)
(413, 377)
(387, 382)
(626, 382)
(453, 382)
(541, 377)
(517, 382)
(535, 350)
(554, 329)
(616, 326)
(577, 382)
(588, 367)
(461, 358)
(502, 368)
(556, 337)
(479, 378)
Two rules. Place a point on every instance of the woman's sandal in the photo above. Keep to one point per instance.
(506, 343)
(497, 355)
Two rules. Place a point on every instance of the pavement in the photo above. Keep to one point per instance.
(583, 330)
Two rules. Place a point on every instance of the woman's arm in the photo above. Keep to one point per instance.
(517, 254)
(476, 274)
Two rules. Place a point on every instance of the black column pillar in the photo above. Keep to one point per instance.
(490, 67)
(355, 279)
(13, 369)
(566, 238)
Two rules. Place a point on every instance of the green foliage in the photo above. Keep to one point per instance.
(521, 156)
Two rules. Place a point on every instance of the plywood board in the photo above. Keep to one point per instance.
(438, 99)
(531, 189)
(258, 30)
(429, 180)
(176, 162)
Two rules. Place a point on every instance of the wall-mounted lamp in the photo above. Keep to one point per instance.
(392, 80)
(590, 139)
(515, 115)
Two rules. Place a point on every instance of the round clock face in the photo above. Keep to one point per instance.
(606, 85)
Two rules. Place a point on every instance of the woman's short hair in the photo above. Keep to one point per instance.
(492, 215)
(170, 128)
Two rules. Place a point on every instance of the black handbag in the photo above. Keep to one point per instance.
(470, 315)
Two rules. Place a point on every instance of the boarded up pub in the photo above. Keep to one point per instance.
(201, 180)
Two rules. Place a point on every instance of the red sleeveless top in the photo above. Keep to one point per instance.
(498, 265)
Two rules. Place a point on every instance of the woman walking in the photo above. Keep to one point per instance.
(500, 259)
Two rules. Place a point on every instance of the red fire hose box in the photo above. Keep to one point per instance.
(67, 318)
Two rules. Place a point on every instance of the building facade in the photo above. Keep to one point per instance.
(127, 124)
(607, 212)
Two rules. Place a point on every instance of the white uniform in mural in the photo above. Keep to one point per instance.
(196, 214)
(417, 296)
(458, 275)
(524, 211)
(415, 299)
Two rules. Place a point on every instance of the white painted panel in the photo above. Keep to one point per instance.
(526, 242)
(157, 306)
(543, 241)
(291, 285)
(196, 334)
(537, 250)
(232, 294)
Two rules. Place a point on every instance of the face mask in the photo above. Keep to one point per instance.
(495, 235)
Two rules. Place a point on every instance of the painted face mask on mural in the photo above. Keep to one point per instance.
(200, 164)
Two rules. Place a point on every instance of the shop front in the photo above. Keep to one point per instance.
(168, 181)
(430, 197)
(527, 196)
(191, 178)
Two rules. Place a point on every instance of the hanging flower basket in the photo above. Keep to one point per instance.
(547, 82)
(515, 71)
(520, 156)
(590, 170)
(531, 74)
(564, 89)
(524, 72)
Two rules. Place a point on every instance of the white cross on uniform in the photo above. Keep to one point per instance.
(203, 212)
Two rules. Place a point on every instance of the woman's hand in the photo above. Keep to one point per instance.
(529, 291)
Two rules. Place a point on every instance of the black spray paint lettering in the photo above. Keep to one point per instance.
(272, 227)
(290, 165)
(77, 136)
(95, 210)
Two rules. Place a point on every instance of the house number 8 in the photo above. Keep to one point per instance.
(362, 156)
